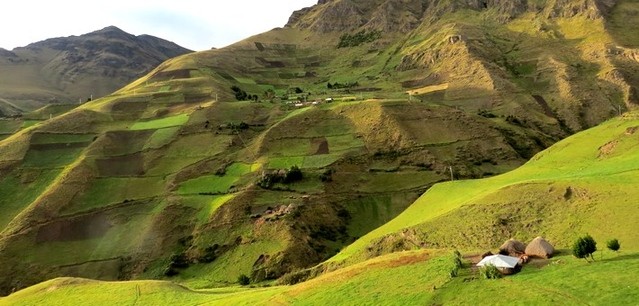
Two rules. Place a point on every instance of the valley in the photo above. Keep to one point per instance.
(333, 168)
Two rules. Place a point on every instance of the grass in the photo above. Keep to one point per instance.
(622, 18)
(9, 126)
(161, 137)
(29, 123)
(104, 192)
(214, 184)
(405, 180)
(285, 162)
(319, 161)
(172, 121)
(207, 205)
(208, 184)
(375, 210)
(51, 158)
(41, 138)
(18, 191)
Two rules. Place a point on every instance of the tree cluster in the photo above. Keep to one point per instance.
(338, 85)
(241, 95)
(361, 37)
(291, 175)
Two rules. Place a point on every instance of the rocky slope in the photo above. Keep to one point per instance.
(69, 69)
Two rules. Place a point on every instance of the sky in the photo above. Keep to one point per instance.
(194, 24)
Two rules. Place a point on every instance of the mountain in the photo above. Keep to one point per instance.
(68, 69)
(347, 116)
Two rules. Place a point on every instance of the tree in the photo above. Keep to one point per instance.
(613, 245)
(584, 247)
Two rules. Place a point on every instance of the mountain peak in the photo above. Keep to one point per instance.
(109, 29)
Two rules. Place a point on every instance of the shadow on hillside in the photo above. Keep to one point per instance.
(616, 257)
(622, 24)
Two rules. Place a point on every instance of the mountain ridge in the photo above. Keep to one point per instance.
(391, 15)
(68, 69)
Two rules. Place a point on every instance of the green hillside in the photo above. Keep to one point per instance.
(315, 146)
(575, 187)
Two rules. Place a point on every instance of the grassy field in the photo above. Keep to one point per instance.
(215, 183)
(409, 278)
(176, 120)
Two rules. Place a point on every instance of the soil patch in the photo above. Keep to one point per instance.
(123, 142)
(128, 110)
(57, 146)
(270, 64)
(172, 74)
(80, 228)
(538, 262)
(196, 97)
(128, 165)
(607, 149)
(319, 146)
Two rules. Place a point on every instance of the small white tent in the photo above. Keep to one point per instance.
(499, 261)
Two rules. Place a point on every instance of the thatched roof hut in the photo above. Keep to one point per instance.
(539, 247)
(512, 247)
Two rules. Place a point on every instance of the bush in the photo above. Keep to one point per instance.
(457, 264)
(489, 272)
(584, 247)
(169, 272)
(180, 261)
(209, 254)
(454, 272)
(293, 175)
(243, 280)
(613, 245)
(326, 176)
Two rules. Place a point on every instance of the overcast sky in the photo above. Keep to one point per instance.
(197, 25)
